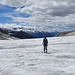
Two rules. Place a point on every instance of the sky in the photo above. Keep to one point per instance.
(54, 15)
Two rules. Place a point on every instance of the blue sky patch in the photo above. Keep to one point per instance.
(4, 20)
(5, 11)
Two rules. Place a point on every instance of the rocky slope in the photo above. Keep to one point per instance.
(67, 33)
(6, 36)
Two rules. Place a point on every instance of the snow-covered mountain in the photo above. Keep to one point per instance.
(26, 57)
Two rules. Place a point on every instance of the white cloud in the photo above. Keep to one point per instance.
(57, 22)
(16, 3)
(6, 25)
(51, 7)
(53, 13)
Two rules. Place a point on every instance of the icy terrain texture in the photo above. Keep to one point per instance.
(26, 57)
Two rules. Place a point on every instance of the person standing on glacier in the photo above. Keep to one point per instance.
(45, 44)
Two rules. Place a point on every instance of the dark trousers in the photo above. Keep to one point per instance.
(45, 49)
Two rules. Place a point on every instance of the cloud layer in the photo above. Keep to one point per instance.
(46, 13)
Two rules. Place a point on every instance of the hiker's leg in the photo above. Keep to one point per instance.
(46, 49)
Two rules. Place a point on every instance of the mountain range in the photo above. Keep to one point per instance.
(6, 34)
(22, 34)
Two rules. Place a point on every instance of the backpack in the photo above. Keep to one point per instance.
(45, 42)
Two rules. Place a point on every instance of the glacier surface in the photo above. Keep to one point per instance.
(26, 57)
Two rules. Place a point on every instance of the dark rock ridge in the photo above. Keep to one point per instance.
(39, 34)
(20, 34)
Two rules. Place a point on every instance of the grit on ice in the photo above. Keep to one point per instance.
(26, 57)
